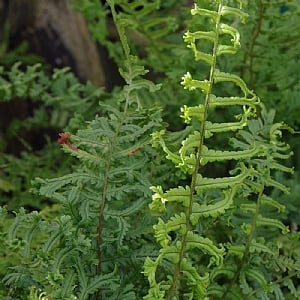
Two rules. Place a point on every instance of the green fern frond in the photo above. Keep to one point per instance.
(162, 229)
(203, 183)
(257, 276)
(263, 221)
(260, 247)
(212, 210)
(260, 152)
(207, 246)
(291, 286)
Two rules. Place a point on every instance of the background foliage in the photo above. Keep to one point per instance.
(89, 227)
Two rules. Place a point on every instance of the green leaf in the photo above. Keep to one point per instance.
(227, 10)
(192, 84)
(260, 247)
(160, 198)
(203, 183)
(207, 246)
(256, 275)
(162, 229)
(212, 210)
(197, 283)
(290, 285)
(263, 221)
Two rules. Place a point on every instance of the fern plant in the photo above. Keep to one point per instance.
(216, 237)
(88, 251)
(153, 29)
(54, 99)
(215, 231)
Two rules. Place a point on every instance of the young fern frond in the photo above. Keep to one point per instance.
(192, 155)
(182, 235)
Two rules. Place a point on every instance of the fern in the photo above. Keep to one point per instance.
(54, 100)
(206, 234)
(81, 249)
(216, 198)
(146, 24)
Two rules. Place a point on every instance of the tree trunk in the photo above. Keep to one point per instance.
(57, 33)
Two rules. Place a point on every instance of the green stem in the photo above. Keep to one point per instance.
(177, 274)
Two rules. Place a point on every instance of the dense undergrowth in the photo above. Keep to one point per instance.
(207, 147)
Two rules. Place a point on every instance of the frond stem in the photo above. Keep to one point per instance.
(177, 274)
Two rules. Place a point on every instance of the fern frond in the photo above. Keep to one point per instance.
(212, 210)
(96, 283)
(162, 229)
(263, 221)
(207, 246)
(207, 200)
(198, 284)
(291, 286)
(260, 247)
(256, 275)
(203, 183)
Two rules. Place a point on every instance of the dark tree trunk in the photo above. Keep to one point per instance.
(55, 32)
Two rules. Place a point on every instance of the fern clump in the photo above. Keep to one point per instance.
(216, 225)
(214, 230)
(92, 247)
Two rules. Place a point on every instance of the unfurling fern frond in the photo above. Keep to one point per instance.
(239, 199)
